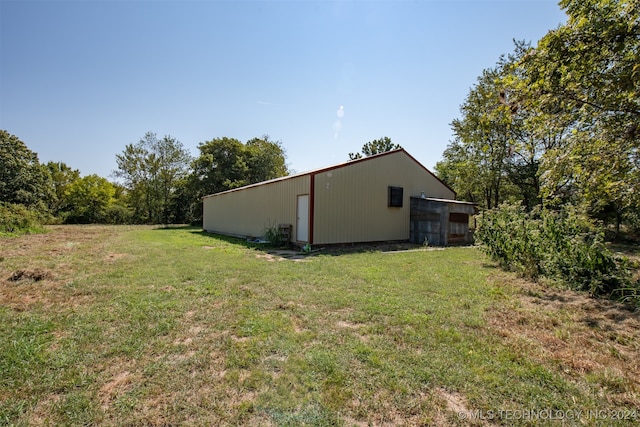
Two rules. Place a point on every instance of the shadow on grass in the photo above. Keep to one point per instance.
(293, 252)
(289, 252)
(177, 227)
(197, 230)
(229, 239)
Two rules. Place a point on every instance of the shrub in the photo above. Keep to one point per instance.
(557, 244)
(510, 239)
(17, 219)
(118, 214)
(274, 236)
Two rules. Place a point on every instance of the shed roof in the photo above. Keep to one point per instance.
(459, 202)
(332, 167)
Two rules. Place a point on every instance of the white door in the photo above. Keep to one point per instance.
(302, 222)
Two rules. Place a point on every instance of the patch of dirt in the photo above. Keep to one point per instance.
(236, 338)
(41, 414)
(117, 385)
(192, 333)
(455, 402)
(35, 275)
(353, 422)
(415, 410)
(181, 357)
(117, 381)
(458, 406)
(113, 257)
(576, 334)
(269, 257)
(348, 325)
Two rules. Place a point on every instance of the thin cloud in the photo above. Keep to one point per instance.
(337, 125)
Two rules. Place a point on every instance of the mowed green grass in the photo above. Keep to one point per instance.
(144, 326)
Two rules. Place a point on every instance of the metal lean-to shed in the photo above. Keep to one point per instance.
(441, 222)
(364, 200)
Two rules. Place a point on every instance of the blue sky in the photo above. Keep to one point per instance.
(79, 80)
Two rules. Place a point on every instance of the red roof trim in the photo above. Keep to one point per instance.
(312, 206)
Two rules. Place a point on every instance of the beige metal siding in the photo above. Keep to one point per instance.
(350, 202)
(248, 211)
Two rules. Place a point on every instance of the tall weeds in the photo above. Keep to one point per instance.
(561, 244)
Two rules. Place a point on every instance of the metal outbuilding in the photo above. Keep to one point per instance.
(364, 200)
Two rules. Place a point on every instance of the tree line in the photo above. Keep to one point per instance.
(557, 122)
(157, 181)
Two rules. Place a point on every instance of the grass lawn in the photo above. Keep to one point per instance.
(143, 326)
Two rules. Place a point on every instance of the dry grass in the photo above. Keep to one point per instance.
(37, 267)
(589, 341)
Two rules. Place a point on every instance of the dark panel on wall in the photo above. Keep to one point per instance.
(459, 218)
(395, 197)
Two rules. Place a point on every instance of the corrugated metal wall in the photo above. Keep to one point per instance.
(440, 222)
(351, 201)
(247, 212)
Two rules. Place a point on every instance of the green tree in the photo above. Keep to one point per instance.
(589, 70)
(226, 163)
(182, 201)
(266, 159)
(222, 165)
(88, 199)
(62, 176)
(376, 146)
(502, 137)
(476, 163)
(151, 170)
(535, 132)
(460, 171)
(23, 180)
(132, 169)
